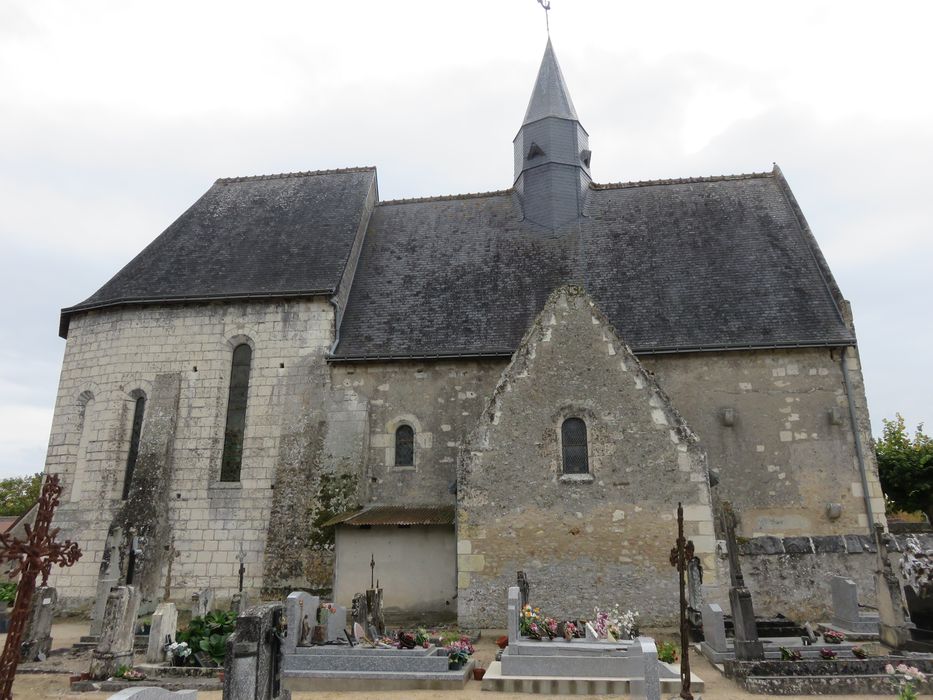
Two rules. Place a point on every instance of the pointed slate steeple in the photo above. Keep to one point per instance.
(550, 97)
(552, 156)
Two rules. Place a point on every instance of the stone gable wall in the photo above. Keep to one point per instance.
(583, 540)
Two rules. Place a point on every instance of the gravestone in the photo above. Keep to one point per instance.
(117, 633)
(37, 637)
(239, 603)
(747, 645)
(846, 613)
(202, 602)
(694, 586)
(301, 615)
(514, 612)
(714, 627)
(894, 620)
(108, 577)
(161, 632)
(252, 666)
(358, 610)
(336, 624)
(375, 617)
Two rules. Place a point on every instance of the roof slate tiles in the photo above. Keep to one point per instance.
(257, 236)
(690, 264)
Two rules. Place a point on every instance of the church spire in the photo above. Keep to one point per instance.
(552, 157)
(550, 97)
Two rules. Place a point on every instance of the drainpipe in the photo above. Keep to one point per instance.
(859, 453)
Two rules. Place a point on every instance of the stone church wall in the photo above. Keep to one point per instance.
(113, 355)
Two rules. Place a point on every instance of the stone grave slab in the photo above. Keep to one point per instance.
(847, 616)
(301, 615)
(37, 637)
(162, 630)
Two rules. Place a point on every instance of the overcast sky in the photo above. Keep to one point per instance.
(116, 116)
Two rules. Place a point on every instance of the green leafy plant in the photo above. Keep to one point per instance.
(667, 652)
(215, 647)
(905, 467)
(8, 592)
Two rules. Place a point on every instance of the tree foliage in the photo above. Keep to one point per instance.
(905, 466)
(18, 493)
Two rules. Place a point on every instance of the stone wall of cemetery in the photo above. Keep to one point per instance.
(113, 355)
(583, 540)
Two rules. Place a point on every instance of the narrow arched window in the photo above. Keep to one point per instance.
(404, 446)
(573, 440)
(236, 414)
(136, 431)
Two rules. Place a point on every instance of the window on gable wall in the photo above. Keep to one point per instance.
(404, 446)
(573, 441)
(232, 459)
(135, 433)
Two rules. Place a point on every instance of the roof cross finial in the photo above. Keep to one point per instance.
(546, 4)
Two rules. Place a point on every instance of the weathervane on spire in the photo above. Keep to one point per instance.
(546, 4)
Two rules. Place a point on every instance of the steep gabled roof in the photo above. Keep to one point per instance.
(265, 236)
(697, 264)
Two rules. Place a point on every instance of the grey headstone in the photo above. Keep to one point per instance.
(514, 613)
(108, 577)
(151, 693)
(337, 624)
(251, 668)
(808, 631)
(37, 637)
(694, 584)
(202, 602)
(845, 600)
(164, 625)
(714, 627)
(117, 634)
(301, 614)
(747, 645)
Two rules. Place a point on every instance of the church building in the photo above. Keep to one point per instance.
(436, 393)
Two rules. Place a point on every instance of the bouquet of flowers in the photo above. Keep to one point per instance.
(790, 654)
(324, 612)
(180, 651)
(827, 654)
(833, 637)
(458, 653)
(570, 630)
(614, 624)
(530, 623)
(421, 638)
(904, 678)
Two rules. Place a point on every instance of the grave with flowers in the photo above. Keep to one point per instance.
(602, 656)
(320, 652)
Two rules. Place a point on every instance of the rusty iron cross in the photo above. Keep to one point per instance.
(682, 552)
(33, 556)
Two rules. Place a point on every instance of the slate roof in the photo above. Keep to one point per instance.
(264, 236)
(550, 96)
(698, 264)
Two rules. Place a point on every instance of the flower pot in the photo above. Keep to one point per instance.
(478, 674)
(502, 642)
(455, 665)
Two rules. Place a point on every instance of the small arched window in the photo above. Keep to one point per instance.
(573, 441)
(138, 411)
(232, 458)
(405, 446)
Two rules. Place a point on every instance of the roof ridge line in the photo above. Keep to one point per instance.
(678, 181)
(445, 197)
(299, 173)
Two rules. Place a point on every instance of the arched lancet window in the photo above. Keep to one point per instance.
(404, 446)
(573, 440)
(236, 414)
(137, 430)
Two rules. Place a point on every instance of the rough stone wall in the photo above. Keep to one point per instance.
(441, 400)
(583, 540)
(790, 450)
(111, 354)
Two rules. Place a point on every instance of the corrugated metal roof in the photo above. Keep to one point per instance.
(396, 515)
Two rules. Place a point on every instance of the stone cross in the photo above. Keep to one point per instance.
(747, 645)
(33, 556)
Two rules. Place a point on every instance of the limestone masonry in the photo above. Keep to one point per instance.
(441, 392)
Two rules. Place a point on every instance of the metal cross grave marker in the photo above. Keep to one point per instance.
(33, 556)
(679, 560)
